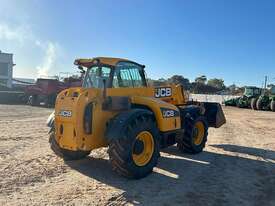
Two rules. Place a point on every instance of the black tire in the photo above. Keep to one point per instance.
(272, 105)
(33, 100)
(187, 142)
(63, 153)
(121, 149)
(238, 104)
(260, 104)
(253, 104)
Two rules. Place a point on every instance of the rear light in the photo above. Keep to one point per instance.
(88, 117)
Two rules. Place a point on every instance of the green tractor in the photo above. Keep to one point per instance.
(231, 102)
(266, 101)
(244, 101)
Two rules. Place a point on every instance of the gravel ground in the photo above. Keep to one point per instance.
(237, 167)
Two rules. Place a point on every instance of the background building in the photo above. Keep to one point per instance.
(6, 69)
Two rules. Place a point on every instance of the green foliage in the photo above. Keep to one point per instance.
(201, 79)
(199, 88)
(217, 83)
(178, 79)
(156, 83)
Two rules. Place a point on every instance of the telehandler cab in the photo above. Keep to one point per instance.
(115, 108)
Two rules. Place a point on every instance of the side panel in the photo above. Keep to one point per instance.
(167, 115)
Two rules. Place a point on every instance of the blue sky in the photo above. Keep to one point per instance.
(229, 39)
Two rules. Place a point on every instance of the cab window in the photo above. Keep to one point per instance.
(128, 75)
(95, 75)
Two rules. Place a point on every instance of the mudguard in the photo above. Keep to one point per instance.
(117, 124)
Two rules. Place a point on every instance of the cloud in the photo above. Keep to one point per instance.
(49, 60)
(24, 35)
(18, 33)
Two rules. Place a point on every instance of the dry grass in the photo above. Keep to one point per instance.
(236, 168)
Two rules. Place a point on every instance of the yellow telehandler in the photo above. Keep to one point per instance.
(115, 108)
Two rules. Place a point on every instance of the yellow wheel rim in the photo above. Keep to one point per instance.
(145, 155)
(198, 133)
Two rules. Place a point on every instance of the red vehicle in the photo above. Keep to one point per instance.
(45, 90)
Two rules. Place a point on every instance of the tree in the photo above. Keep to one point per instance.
(217, 83)
(232, 87)
(201, 79)
(159, 82)
(178, 79)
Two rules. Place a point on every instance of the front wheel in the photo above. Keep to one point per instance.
(240, 103)
(136, 152)
(63, 153)
(254, 103)
(195, 135)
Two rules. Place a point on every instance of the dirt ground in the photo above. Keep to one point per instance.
(236, 168)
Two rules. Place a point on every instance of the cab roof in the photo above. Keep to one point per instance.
(251, 87)
(100, 60)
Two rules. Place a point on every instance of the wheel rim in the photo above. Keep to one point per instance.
(198, 133)
(148, 148)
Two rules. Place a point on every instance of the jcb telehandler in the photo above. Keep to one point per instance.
(115, 108)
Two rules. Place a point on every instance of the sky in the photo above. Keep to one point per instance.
(229, 39)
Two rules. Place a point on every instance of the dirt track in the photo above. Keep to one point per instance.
(236, 168)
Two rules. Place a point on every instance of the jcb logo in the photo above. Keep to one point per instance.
(163, 92)
(65, 113)
(168, 113)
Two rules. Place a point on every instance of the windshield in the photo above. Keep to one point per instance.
(251, 91)
(95, 75)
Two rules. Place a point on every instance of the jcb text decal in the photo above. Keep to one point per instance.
(65, 113)
(166, 113)
(163, 92)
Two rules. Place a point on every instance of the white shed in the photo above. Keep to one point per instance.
(6, 69)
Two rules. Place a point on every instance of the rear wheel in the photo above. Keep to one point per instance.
(195, 135)
(136, 153)
(260, 104)
(63, 153)
(33, 100)
(272, 105)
